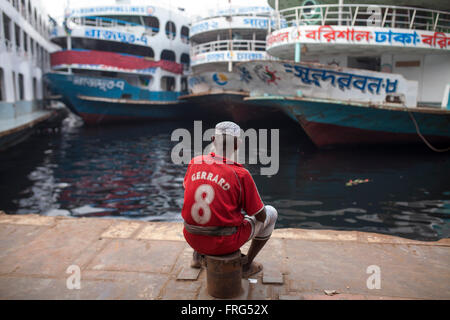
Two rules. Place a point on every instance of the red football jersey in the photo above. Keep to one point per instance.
(217, 190)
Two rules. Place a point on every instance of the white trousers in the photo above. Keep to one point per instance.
(263, 231)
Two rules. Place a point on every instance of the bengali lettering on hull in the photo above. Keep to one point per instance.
(112, 9)
(99, 99)
(392, 37)
(239, 22)
(285, 78)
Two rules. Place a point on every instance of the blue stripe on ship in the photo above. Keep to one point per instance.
(369, 118)
(114, 88)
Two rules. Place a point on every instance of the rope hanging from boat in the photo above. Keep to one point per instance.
(423, 138)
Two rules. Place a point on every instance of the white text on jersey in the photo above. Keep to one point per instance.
(208, 176)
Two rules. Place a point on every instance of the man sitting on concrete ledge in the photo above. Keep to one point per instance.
(217, 190)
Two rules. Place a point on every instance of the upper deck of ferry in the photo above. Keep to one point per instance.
(233, 34)
(147, 31)
(335, 27)
(242, 19)
(410, 38)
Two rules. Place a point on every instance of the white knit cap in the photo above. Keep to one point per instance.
(228, 128)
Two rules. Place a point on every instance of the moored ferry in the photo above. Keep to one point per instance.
(122, 62)
(219, 42)
(359, 74)
(24, 58)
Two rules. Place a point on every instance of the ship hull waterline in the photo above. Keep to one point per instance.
(95, 112)
(96, 106)
(232, 106)
(338, 124)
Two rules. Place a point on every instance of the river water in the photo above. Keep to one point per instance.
(126, 172)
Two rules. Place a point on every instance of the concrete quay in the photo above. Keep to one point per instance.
(121, 259)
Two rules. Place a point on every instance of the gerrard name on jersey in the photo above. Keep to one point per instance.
(208, 176)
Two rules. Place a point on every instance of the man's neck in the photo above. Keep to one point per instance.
(233, 156)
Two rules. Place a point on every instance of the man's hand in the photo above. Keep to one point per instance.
(261, 217)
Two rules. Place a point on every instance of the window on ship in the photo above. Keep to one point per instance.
(95, 73)
(29, 12)
(168, 55)
(25, 42)
(184, 84)
(184, 34)
(366, 63)
(185, 61)
(152, 24)
(134, 80)
(109, 21)
(109, 46)
(145, 81)
(35, 92)
(6, 28)
(14, 85)
(21, 87)
(171, 30)
(17, 31)
(46, 91)
(2, 86)
(168, 83)
(23, 10)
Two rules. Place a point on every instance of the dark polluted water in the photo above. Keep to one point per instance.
(126, 172)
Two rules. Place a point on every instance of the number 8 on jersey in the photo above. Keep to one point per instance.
(203, 203)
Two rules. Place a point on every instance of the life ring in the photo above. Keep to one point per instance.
(313, 14)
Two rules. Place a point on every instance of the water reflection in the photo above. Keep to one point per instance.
(407, 194)
(126, 172)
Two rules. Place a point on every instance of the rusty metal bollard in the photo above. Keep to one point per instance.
(224, 275)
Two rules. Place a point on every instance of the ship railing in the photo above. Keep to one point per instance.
(363, 15)
(227, 15)
(229, 45)
(110, 23)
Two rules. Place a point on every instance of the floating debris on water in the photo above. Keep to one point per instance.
(356, 182)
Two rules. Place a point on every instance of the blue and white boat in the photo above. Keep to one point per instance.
(359, 74)
(122, 62)
(219, 41)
